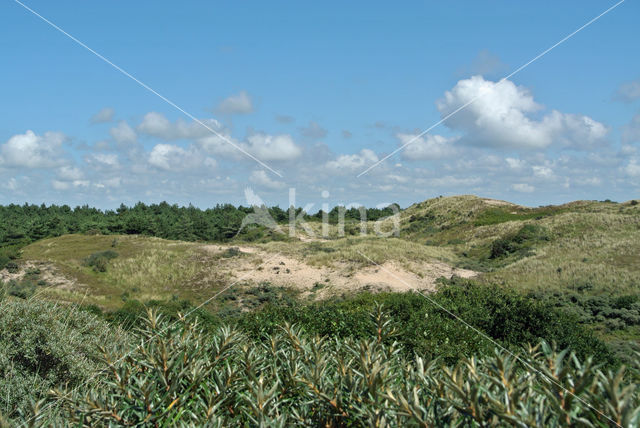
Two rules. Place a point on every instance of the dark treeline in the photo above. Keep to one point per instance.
(354, 214)
(23, 224)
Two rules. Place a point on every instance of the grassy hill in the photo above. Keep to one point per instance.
(569, 274)
(584, 245)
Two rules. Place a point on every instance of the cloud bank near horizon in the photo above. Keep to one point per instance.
(505, 144)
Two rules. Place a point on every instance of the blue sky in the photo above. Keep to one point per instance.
(319, 92)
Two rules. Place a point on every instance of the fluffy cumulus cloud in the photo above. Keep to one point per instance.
(501, 114)
(70, 173)
(236, 104)
(218, 143)
(169, 157)
(484, 151)
(542, 172)
(263, 180)
(222, 145)
(123, 134)
(426, 147)
(103, 116)
(515, 164)
(350, 163)
(273, 147)
(632, 169)
(32, 151)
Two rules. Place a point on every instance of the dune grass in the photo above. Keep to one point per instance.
(145, 269)
(589, 246)
(359, 251)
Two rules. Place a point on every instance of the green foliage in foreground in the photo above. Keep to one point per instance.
(44, 346)
(181, 375)
(426, 329)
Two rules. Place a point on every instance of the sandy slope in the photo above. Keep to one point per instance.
(286, 271)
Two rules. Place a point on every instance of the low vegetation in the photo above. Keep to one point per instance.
(564, 279)
(291, 377)
(44, 346)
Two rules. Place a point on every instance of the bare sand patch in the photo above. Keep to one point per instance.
(48, 273)
(497, 202)
(287, 271)
(250, 265)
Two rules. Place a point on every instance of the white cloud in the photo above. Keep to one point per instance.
(103, 160)
(273, 147)
(398, 178)
(523, 187)
(427, 147)
(515, 164)
(261, 178)
(70, 173)
(346, 163)
(32, 151)
(172, 158)
(236, 104)
(60, 185)
(629, 91)
(123, 133)
(157, 125)
(627, 150)
(11, 184)
(110, 182)
(499, 114)
(213, 144)
(65, 185)
(104, 115)
(633, 168)
(210, 163)
(543, 172)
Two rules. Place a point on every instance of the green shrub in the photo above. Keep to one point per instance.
(292, 378)
(519, 242)
(99, 261)
(425, 329)
(132, 311)
(12, 267)
(8, 254)
(21, 289)
(231, 252)
(44, 346)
